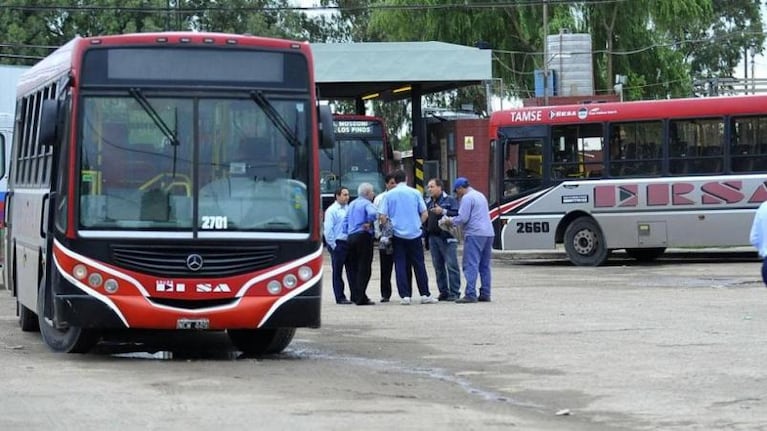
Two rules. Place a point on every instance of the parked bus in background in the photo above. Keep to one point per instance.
(361, 154)
(640, 176)
(6, 138)
(167, 181)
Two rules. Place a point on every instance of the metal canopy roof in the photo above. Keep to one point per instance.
(356, 70)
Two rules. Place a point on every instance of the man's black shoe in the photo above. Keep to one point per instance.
(343, 302)
(442, 297)
(484, 299)
(466, 300)
(384, 299)
(366, 302)
(450, 299)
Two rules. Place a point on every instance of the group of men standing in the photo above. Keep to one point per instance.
(400, 218)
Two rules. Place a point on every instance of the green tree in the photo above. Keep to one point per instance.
(639, 38)
(34, 30)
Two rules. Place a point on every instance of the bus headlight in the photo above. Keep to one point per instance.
(80, 271)
(95, 279)
(274, 287)
(290, 281)
(111, 285)
(305, 273)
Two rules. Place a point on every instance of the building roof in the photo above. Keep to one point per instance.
(355, 70)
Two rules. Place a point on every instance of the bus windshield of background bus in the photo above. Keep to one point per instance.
(352, 162)
(231, 162)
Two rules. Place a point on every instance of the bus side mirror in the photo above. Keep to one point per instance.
(327, 135)
(49, 119)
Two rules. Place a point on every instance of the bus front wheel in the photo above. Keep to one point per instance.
(584, 243)
(261, 341)
(65, 340)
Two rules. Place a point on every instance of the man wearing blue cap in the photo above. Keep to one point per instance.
(474, 217)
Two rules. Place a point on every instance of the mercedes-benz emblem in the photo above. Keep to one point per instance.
(194, 262)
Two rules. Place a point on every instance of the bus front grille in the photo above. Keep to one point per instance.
(193, 305)
(213, 261)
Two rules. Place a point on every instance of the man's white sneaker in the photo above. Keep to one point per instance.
(429, 300)
(405, 301)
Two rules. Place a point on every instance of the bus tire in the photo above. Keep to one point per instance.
(254, 342)
(69, 340)
(645, 254)
(584, 243)
(27, 319)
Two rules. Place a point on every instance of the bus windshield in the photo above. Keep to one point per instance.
(352, 162)
(159, 162)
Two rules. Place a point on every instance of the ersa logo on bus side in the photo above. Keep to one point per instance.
(537, 115)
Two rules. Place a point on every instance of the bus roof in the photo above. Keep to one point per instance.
(65, 58)
(629, 111)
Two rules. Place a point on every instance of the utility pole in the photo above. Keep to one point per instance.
(545, 52)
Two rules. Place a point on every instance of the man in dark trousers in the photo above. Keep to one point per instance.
(405, 209)
(443, 245)
(359, 230)
(336, 240)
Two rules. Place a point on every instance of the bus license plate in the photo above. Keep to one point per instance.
(192, 324)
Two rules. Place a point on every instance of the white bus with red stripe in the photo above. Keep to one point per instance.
(168, 181)
(640, 176)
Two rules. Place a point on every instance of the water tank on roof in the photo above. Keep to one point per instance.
(550, 83)
(570, 56)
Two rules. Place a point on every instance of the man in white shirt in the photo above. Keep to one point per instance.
(759, 237)
(336, 239)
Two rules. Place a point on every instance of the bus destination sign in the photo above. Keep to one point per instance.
(352, 127)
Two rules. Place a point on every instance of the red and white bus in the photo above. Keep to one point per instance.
(640, 176)
(362, 153)
(167, 181)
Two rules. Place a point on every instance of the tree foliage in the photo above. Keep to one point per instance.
(34, 30)
(661, 45)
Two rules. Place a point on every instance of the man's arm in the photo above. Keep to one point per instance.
(328, 224)
(756, 235)
(451, 210)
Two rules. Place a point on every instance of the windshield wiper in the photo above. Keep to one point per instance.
(158, 121)
(170, 135)
(275, 116)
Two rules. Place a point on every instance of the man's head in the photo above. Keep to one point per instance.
(342, 195)
(460, 186)
(390, 181)
(435, 187)
(399, 176)
(365, 190)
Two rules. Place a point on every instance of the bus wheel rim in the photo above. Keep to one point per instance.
(583, 242)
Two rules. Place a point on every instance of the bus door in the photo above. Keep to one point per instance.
(522, 155)
(518, 168)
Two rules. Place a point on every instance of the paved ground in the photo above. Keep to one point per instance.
(674, 345)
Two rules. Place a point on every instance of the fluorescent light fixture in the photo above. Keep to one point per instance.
(370, 96)
(402, 89)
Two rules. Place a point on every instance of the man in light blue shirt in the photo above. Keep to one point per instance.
(474, 217)
(405, 209)
(335, 238)
(359, 227)
(759, 237)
